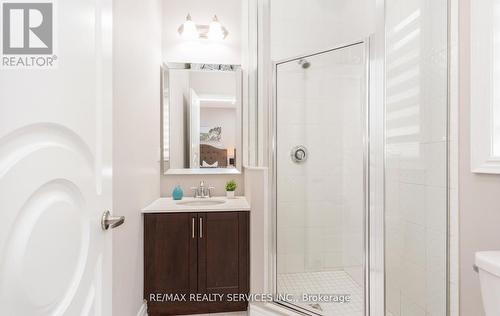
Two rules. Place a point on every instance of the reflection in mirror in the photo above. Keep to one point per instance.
(201, 119)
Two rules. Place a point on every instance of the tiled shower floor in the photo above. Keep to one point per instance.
(325, 282)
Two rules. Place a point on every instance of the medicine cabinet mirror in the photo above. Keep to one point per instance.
(201, 119)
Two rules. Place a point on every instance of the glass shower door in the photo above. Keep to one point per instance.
(320, 181)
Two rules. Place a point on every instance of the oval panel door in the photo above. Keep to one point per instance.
(55, 167)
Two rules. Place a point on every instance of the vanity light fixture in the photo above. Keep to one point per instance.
(213, 31)
(188, 29)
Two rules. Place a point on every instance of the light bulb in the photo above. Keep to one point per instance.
(188, 29)
(215, 30)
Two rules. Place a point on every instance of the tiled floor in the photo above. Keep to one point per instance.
(327, 282)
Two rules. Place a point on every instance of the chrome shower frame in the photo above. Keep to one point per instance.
(365, 111)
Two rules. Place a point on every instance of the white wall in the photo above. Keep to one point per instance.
(175, 49)
(136, 139)
(300, 27)
(257, 194)
(479, 202)
(169, 182)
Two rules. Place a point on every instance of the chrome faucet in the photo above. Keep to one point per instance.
(202, 191)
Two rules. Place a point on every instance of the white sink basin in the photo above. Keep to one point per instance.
(190, 204)
(201, 202)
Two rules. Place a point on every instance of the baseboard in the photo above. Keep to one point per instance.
(143, 311)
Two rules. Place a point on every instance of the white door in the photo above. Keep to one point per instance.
(194, 129)
(55, 172)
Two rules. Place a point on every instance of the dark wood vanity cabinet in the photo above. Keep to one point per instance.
(196, 254)
(170, 254)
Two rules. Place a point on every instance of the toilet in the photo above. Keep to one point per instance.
(488, 267)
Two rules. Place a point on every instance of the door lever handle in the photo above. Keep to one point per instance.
(108, 221)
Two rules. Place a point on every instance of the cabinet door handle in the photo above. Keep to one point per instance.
(201, 227)
(192, 228)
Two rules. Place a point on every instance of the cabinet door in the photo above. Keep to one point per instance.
(223, 255)
(170, 257)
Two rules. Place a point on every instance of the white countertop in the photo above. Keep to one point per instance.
(168, 205)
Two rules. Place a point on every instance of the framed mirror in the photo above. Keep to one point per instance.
(201, 126)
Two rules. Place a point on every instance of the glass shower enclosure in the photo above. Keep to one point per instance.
(320, 147)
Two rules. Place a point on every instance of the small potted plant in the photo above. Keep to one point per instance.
(230, 188)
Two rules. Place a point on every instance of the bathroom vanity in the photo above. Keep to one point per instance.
(197, 250)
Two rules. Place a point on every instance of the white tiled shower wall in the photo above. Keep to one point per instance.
(320, 202)
(416, 130)
(416, 157)
(323, 227)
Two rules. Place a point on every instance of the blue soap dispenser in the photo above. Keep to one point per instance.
(177, 194)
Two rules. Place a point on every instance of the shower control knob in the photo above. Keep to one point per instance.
(299, 154)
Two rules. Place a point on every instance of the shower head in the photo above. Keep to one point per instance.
(304, 63)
